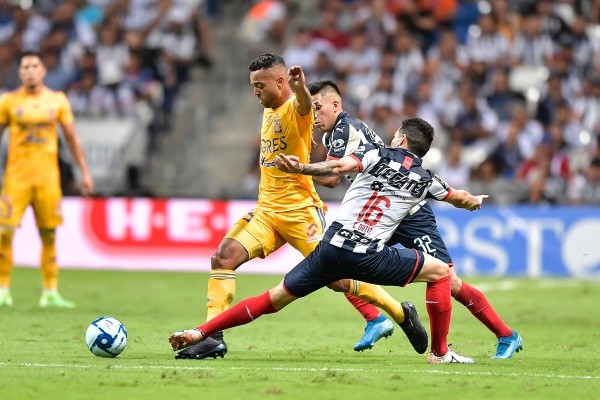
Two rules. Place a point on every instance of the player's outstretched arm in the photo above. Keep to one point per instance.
(292, 165)
(463, 199)
(297, 82)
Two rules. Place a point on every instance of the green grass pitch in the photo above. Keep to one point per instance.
(304, 352)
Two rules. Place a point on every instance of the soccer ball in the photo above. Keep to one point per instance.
(106, 337)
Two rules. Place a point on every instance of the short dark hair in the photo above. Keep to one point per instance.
(30, 53)
(319, 86)
(266, 61)
(419, 135)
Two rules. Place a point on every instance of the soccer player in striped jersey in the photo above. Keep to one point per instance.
(343, 134)
(288, 210)
(32, 113)
(390, 182)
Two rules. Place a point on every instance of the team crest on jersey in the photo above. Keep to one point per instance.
(19, 112)
(338, 144)
(312, 233)
(278, 129)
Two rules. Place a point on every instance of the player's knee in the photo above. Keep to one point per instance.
(340, 286)
(228, 257)
(434, 269)
(48, 236)
(455, 282)
(6, 235)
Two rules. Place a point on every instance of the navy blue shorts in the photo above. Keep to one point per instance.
(419, 231)
(327, 263)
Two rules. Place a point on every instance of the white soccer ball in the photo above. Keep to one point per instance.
(106, 337)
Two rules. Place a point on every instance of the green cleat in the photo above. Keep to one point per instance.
(5, 298)
(55, 300)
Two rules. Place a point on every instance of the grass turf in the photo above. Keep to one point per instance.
(303, 352)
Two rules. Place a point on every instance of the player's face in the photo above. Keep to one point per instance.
(326, 108)
(267, 86)
(32, 71)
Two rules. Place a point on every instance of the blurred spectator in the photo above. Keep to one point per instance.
(452, 168)
(502, 100)
(486, 44)
(9, 78)
(379, 22)
(475, 123)
(305, 50)
(265, 24)
(409, 62)
(486, 179)
(328, 28)
(584, 189)
(446, 63)
(508, 20)
(548, 103)
(532, 47)
(545, 174)
(359, 62)
(57, 77)
(519, 137)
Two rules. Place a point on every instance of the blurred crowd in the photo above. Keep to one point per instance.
(113, 58)
(511, 86)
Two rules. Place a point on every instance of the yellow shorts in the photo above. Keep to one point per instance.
(45, 200)
(262, 232)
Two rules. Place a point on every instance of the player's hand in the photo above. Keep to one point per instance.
(87, 185)
(290, 164)
(478, 202)
(296, 78)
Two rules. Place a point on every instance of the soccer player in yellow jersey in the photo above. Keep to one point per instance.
(32, 113)
(288, 210)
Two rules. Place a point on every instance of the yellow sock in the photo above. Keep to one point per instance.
(48, 261)
(376, 295)
(6, 257)
(221, 290)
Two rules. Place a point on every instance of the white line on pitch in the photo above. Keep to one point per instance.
(294, 369)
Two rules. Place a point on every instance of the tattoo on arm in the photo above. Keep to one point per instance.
(319, 169)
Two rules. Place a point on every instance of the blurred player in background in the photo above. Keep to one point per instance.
(32, 113)
(343, 134)
(389, 183)
(288, 210)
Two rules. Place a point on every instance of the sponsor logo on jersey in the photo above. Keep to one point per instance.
(399, 180)
(338, 144)
(312, 231)
(278, 129)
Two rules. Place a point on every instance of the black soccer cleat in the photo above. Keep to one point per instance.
(213, 346)
(412, 327)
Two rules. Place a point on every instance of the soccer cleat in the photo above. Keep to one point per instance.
(449, 358)
(5, 298)
(380, 327)
(413, 329)
(55, 300)
(509, 345)
(212, 346)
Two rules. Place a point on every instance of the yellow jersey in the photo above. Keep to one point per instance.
(285, 131)
(33, 137)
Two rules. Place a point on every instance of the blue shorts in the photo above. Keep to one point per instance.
(391, 267)
(419, 231)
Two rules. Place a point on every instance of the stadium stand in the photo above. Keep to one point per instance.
(512, 86)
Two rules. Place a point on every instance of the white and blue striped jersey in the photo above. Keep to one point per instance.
(390, 182)
(347, 134)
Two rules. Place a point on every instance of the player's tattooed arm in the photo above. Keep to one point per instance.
(319, 169)
(291, 164)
